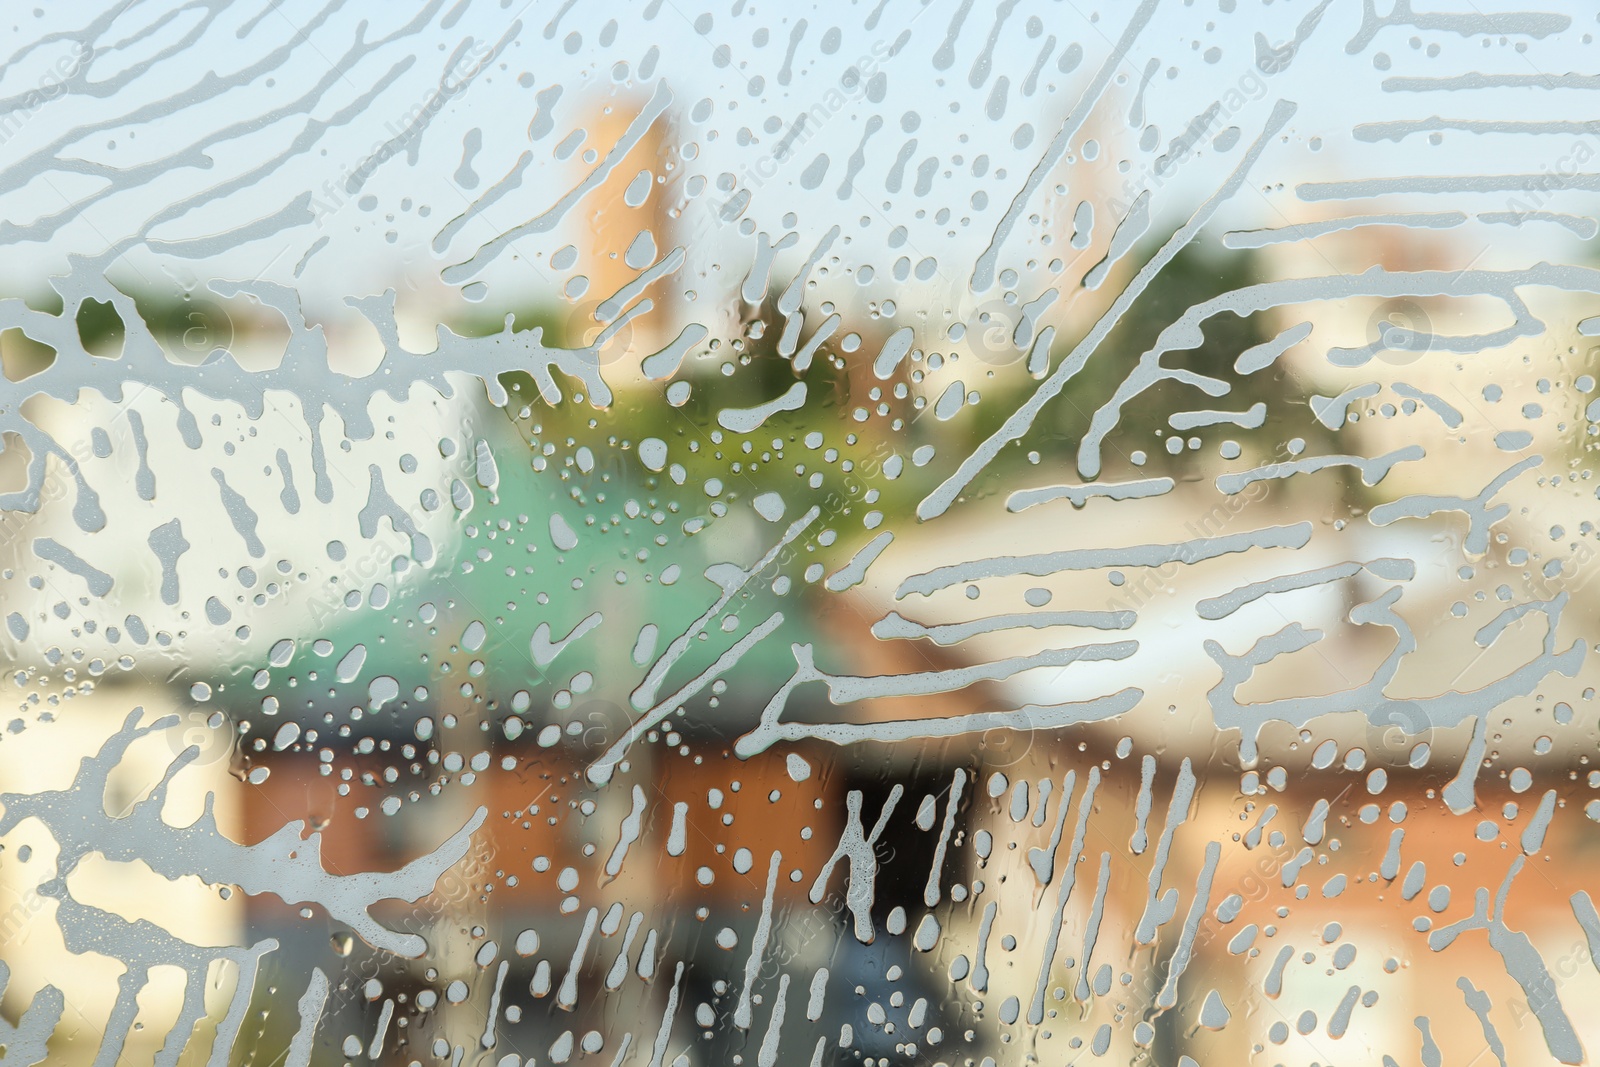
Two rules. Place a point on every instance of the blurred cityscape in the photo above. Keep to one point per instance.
(721, 714)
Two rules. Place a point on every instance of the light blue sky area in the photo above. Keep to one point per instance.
(353, 153)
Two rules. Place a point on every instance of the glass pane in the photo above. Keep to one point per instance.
(906, 532)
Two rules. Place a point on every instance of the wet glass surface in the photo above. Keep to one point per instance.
(929, 533)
